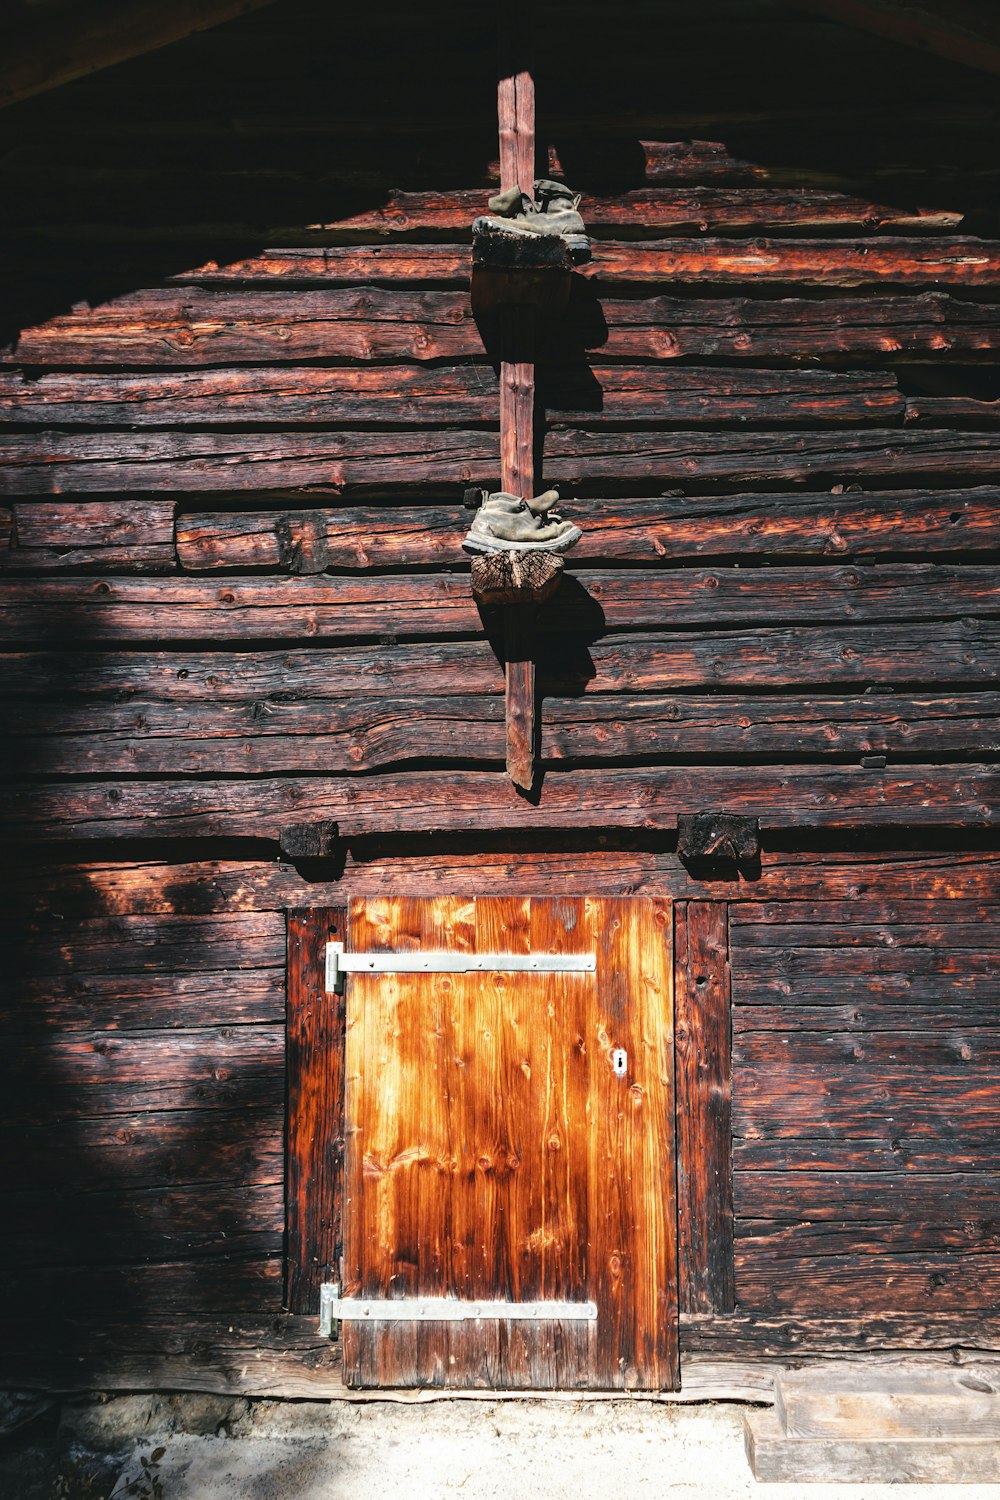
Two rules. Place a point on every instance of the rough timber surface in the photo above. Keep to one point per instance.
(236, 603)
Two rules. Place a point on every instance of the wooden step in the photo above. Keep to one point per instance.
(779, 1458)
(885, 1402)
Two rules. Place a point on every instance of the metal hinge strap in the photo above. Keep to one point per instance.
(333, 1309)
(339, 963)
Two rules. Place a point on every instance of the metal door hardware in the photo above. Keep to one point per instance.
(619, 1061)
(339, 963)
(336, 1309)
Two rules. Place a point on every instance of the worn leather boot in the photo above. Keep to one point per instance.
(506, 523)
(553, 213)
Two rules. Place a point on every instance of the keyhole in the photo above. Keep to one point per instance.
(619, 1061)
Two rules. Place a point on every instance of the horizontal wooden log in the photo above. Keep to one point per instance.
(753, 1158)
(76, 1001)
(936, 1047)
(99, 463)
(857, 1014)
(274, 1354)
(344, 607)
(951, 411)
(200, 326)
(970, 994)
(133, 535)
(159, 1223)
(666, 210)
(960, 1198)
(148, 1150)
(921, 1238)
(411, 395)
(136, 944)
(310, 541)
(874, 909)
(942, 929)
(865, 1103)
(761, 965)
(184, 1291)
(320, 735)
(923, 1282)
(796, 797)
(77, 1077)
(966, 652)
(885, 260)
(874, 1331)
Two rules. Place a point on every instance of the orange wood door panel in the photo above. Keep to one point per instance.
(492, 1153)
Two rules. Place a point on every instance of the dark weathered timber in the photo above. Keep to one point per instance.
(304, 734)
(705, 209)
(876, 908)
(977, 1046)
(197, 327)
(809, 970)
(867, 1199)
(764, 1159)
(126, 1293)
(933, 1228)
(272, 1354)
(126, 886)
(885, 260)
(315, 1120)
(99, 463)
(239, 1067)
(423, 802)
(864, 1102)
(922, 1282)
(137, 944)
(91, 40)
(951, 411)
(82, 1001)
(308, 840)
(148, 1150)
(411, 395)
(943, 929)
(964, 652)
(971, 36)
(314, 540)
(131, 535)
(873, 1332)
(160, 1223)
(704, 1084)
(302, 609)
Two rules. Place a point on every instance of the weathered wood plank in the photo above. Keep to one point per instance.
(133, 535)
(313, 540)
(412, 395)
(303, 608)
(953, 1010)
(825, 1159)
(148, 1150)
(973, 1045)
(295, 734)
(158, 1223)
(704, 1130)
(137, 944)
(315, 1112)
(82, 1001)
(875, 1330)
(128, 1294)
(197, 327)
(874, 909)
(947, 652)
(787, 798)
(882, 260)
(704, 209)
(76, 1077)
(99, 463)
(962, 1199)
(946, 930)
(857, 1101)
(922, 1282)
(951, 411)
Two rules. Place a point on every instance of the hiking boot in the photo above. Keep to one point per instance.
(553, 213)
(506, 523)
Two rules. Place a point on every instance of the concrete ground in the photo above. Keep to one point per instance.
(211, 1448)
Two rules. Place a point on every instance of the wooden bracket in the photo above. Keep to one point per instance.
(714, 838)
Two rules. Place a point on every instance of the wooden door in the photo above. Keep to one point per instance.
(492, 1152)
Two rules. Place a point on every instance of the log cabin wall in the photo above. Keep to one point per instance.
(242, 394)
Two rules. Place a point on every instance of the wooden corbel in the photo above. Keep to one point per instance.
(711, 841)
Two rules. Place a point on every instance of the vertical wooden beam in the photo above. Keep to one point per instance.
(315, 1053)
(703, 1049)
(516, 111)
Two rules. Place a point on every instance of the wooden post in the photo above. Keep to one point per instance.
(516, 111)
